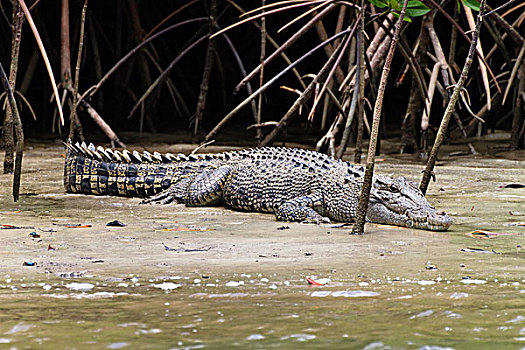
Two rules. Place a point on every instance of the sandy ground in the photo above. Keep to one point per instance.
(210, 240)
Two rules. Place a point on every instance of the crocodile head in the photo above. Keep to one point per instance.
(399, 202)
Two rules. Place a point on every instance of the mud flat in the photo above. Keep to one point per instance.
(57, 250)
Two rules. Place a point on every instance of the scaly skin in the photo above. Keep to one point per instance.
(295, 184)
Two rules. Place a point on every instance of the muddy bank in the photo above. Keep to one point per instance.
(173, 237)
(192, 278)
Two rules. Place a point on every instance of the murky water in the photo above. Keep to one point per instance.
(379, 314)
(239, 280)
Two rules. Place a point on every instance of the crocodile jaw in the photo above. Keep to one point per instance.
(430, 219)
(400, 202)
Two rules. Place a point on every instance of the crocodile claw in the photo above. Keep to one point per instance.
(317, 220)
(164, 197)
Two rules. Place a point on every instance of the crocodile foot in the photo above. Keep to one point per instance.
(165, 197)
(316, 220)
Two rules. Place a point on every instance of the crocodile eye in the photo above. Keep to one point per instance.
(394, 188)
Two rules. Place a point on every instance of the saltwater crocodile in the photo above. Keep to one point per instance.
(295, 184)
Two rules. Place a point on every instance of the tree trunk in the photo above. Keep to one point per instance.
(409, 123)
(208, 64)
(517, 138)
(362, 205)
(9, 124)
(428, 173)
(145, 74)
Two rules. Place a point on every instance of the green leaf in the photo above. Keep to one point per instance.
(472, 4)
(416, 8)
(394, 5)
(416, 12)
(405, 18)
(378, 3)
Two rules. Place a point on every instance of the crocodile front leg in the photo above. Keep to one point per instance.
(301, 209)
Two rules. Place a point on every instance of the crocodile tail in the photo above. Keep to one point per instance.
(100, 171)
